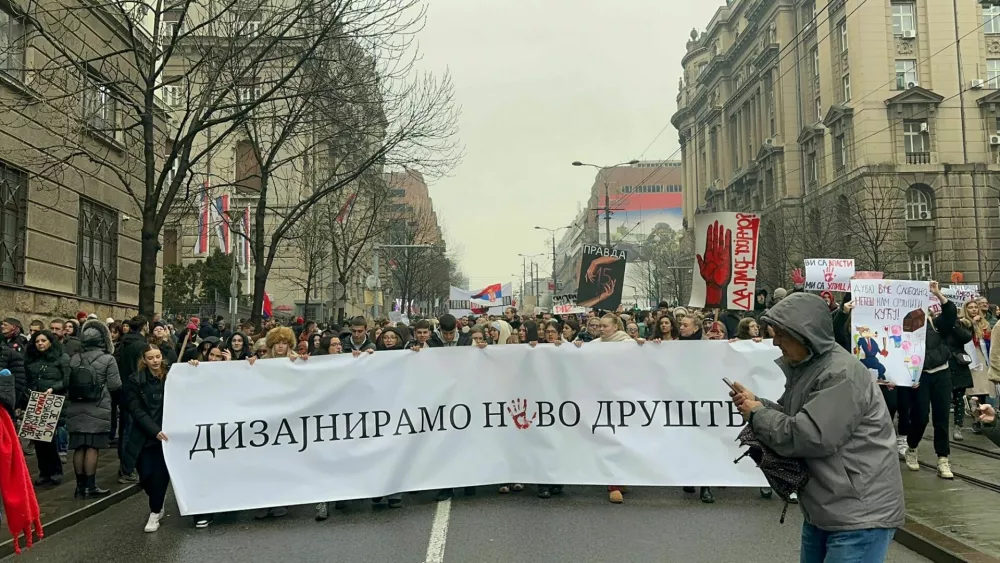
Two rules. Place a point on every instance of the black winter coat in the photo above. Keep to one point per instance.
(14, 361)
(961, 375)
(938, 353)
(132, 346)
(143, 395)
(7, 394)
(48, 371)
(72, 346)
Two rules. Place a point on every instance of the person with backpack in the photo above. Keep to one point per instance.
(93, 377)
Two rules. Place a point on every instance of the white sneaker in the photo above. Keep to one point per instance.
(911, 460)
(153, 524)
(944, 468)
(901, 446)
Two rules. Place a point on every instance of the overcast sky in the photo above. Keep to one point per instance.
(542, 83)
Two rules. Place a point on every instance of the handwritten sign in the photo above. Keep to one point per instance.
(889, 328)
(958, 293)
(828, 274)
(566, 305)
(868, 275)
(41, 417)
(726, 255)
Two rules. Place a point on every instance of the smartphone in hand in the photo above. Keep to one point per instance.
(730, 384)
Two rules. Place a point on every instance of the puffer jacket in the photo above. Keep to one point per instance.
(143, 394)
(832, 415)
(94, 417)
(7, 395)
(13, 360)
(49, 370)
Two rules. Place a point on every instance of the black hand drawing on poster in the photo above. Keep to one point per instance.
(602, 274)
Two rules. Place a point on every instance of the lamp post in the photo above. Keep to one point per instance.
(235, 215)
(524, 258)
(552, 232)
(603, 170)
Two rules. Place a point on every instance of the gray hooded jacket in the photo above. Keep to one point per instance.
(94, 418)
(833, 416)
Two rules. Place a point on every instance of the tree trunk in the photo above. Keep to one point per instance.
(342, 299)
(150, 247)
(309, 279)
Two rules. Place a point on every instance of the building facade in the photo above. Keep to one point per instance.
(865, 130)
(70, 235)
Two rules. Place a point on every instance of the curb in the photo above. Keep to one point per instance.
(75, 517)
(937, 546)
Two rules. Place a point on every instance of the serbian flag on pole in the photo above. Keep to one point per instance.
(267, 306)
(490, 296)
(204, 218)
(221, 219)
(346, 209)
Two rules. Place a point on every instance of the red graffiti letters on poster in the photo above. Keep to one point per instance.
(745, 260)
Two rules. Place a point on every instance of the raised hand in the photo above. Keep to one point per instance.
(716, 264)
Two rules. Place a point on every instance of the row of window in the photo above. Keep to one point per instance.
(651, 189)
(904, 19)
(97, 239)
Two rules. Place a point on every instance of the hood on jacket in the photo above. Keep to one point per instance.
(246, 351)
(757, 305)
(806, 317)
(95, 334)
(504, 329)
(380, 343)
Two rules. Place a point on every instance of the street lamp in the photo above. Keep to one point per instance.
(607, 195)
(235, 215)
(524, 258)
(553, 232)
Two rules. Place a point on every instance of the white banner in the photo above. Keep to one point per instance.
(829, 274)
(41, 417)
(282, 433)
(725, 276)
(461, 302)
(889, 328)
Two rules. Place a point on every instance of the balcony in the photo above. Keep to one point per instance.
(918, 158)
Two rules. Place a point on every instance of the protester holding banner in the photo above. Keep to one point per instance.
(143, 392)
(932, 394)
(665, 328)
(570, 329)
(47, 368)
(961, 376)
(971, 317)
(832, 416)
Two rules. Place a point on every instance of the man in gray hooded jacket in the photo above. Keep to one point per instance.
(833, 416)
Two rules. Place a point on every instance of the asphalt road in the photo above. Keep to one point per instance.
(654, 525)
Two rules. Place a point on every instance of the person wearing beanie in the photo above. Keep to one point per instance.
(779, 294)
(109, 321)
(448, 335)
(13, 336)
(81, 317)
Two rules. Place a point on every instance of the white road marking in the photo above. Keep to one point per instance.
(439, 533)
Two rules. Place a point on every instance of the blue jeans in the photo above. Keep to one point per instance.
(854, 546)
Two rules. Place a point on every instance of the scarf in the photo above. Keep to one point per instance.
(18, 494)
(619, 336)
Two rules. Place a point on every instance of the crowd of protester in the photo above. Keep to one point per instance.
(113, 374)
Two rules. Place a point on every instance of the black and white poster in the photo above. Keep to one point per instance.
(602, 277)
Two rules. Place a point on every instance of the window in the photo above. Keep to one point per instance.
(839, 153)
(171, 25)
(906, 73)
(12, 44)
(248, 24)
(13, 223)
(812, 168)
(173, 95)
(920, 266)
(100, 107)
(843, 36)
(915, 138)
(918, 205)
(247, 167)
(248, 93)
(397, 192)
(815, 58)
(819, 109)
(902, 18)
(993, 73)
(97, 252)
(991, 19)
(847, 87)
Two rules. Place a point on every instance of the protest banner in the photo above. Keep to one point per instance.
(339, 427)
(602, 277)
(888, 328)
(828, 274)
(726, 247)
(41, 417)
(957, 293)
(868, 275)
(566, 305)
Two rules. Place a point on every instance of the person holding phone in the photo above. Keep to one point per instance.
(833, 417)
(987, 416)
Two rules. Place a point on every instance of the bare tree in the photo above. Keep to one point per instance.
(310, 245)
(185, 75)
(664, 269)
(872, 221)
(414, 272)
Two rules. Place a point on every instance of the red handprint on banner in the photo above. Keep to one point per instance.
(716, 265)
(518, 411)
(828, 274)
(797, 277)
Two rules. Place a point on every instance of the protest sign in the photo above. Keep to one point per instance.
(566, 305)
(41, 417)
(726, 254)
(828, 274)
(868, 275)
(339, 427)
(602, 277)
(888, 328)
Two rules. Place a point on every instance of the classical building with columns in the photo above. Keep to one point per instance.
(866, 130)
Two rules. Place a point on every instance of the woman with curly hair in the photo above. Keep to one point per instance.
(972, 320)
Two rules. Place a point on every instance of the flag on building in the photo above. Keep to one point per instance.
(204, 219)
(345, 211)
(220, 217)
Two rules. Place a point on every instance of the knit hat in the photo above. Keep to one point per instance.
(779, 294)
(92, 316)
(81, 316)
(109, 320)
(15, 322)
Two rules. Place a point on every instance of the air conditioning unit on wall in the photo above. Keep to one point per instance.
(995, 140)
(977, 84)
(909, 34)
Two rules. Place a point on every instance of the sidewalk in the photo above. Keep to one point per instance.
(954, 520)
(58, 507)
